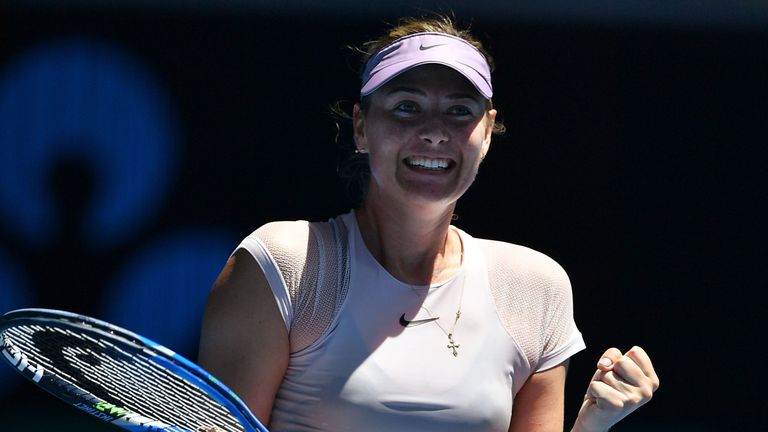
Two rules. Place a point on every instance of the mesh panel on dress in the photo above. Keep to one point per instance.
(312, 257)
(287, 242)
(533, 298)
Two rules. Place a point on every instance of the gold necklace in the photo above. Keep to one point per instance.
(452, 345)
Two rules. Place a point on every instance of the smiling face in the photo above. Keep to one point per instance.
(426, 132)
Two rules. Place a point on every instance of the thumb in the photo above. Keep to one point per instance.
(609, 359)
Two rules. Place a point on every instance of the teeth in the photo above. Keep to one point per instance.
(433, 164)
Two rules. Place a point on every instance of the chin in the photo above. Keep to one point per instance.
(431, 196)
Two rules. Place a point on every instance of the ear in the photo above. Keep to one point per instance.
(490, 119)
(358, 128)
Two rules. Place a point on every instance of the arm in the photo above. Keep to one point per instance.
(621, 384)
(243, 340)
(539, 406)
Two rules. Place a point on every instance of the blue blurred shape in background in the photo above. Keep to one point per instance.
(161, 292)
(84, 99)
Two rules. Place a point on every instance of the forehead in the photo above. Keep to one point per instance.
(432, 77)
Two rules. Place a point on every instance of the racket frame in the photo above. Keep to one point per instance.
(104, 410)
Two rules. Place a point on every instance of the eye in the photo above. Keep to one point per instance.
(460, 110)
(407, 107)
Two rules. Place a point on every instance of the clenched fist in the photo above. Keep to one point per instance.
(621, 384)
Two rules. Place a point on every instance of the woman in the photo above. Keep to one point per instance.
(390, 318)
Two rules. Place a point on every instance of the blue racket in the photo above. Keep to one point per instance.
(119, 376)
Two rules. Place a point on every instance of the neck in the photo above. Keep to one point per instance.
(417, 248)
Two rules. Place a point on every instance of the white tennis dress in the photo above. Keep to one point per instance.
(353, 365)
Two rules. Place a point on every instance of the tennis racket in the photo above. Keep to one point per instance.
(118, 376)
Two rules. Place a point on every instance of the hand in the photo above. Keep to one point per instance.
(621, 384)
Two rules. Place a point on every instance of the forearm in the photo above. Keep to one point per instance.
(579, 427)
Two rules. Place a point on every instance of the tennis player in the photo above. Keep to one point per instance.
(390, 318)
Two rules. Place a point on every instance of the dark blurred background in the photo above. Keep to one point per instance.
(141, 140)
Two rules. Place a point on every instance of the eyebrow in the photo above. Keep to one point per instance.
(406, 90)
(416, 91)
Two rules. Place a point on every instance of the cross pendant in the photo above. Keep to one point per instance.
(452, 345)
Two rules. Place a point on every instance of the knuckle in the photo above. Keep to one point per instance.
(638, 399)
(614, 404)
(649, 388)
(647, 393)
(621, 404)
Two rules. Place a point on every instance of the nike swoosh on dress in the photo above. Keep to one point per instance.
(405, 323)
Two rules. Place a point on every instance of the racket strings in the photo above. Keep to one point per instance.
(121, 377)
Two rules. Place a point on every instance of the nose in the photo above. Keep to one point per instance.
(434, 132)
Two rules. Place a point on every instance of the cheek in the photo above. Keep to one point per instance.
(475, 137)
(382, 147)
(386, 137)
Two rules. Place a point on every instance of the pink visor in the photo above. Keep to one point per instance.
(427, 48)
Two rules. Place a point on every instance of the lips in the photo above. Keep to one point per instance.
(433, 164)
